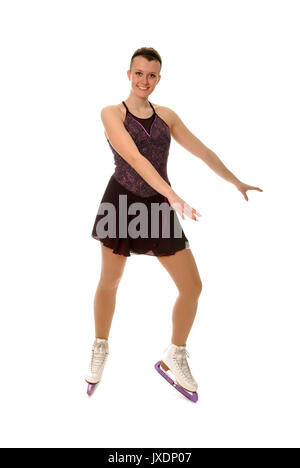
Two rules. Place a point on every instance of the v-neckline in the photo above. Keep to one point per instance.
(135, 118)
(154, 120)
(151, 126)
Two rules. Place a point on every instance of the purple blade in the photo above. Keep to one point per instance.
(191, 396)
(90, 389)
(161, 372)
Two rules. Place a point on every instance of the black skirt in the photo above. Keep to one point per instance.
(166, 240)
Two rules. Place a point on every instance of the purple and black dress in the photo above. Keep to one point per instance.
(152, 138)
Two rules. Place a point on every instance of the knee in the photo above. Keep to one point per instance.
(193, 288)
(197, 287)
(109, 283)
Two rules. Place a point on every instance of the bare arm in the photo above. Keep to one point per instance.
(123, 143)
(215, 163)
(191, 143)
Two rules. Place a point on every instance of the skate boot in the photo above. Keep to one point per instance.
(175, 362)
(99, 356)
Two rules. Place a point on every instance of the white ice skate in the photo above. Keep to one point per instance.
(175, 363)
(100, 352)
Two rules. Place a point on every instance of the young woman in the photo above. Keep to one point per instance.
(139, 135)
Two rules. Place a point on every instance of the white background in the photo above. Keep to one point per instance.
(231, 72)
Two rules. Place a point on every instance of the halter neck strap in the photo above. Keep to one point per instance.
(135, 115)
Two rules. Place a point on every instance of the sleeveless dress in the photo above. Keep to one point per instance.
(152, 138)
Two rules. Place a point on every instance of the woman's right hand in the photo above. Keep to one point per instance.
(181, 206)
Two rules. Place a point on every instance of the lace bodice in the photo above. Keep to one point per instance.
(153, 145)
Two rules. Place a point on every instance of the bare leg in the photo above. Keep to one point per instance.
(183, 270)
(105, 298)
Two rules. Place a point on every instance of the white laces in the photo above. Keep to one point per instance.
(180, 357)
(183, 350)
(98, 352)
(184, 367)
(183, 354)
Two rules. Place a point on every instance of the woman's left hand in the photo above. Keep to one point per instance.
(244, 187)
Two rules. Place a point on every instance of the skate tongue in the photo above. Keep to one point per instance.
(179, 347)
(101, 345)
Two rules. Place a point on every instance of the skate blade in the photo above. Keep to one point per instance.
(162, 369)
(91, 388)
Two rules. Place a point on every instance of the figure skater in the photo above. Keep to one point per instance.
(139, 135)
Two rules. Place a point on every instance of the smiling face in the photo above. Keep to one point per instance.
(144, 75)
